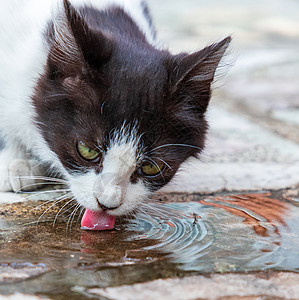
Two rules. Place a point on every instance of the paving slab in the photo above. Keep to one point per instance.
(231, 286)
(240, 155)
(19, 271)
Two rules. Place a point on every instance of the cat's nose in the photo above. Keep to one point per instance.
(104, 207)
(109, 198)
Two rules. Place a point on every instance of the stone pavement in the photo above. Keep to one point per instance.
(233, 286)
(254, 115)
(253, 144)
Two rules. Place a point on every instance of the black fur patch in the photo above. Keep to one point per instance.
(116, 76)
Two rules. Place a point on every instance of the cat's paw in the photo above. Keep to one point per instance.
(21, 175)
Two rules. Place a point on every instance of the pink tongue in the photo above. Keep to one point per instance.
(97, 220)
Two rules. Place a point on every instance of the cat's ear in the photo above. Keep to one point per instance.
(193, 74)
(74, 42)
(95, 46)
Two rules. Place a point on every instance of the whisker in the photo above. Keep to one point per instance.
(163, 161)
(133, 216)
(77, 168)
(56, 201)
(49, 209)
(144, 212)
(71, 210)
(166, 212)
(20, 190)
(80, 214)
(150, 208)
(44, 192)
(71, 217)
(44, 183)
(57, 95)
(75, 211)
(58, 180)
(98, 147)
(150, 160)
(57, 214)
(180, 145)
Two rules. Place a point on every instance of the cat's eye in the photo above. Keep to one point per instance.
(152, 169)
(86, 152)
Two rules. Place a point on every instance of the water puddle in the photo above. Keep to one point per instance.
(229, 233)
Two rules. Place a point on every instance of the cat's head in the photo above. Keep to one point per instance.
(118, 114)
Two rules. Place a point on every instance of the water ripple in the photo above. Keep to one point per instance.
(235, 233)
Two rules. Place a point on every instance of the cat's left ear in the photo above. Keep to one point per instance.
(192, 74)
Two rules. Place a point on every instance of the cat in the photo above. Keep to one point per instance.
(87, 93)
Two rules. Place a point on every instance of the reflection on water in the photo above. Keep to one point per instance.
(256, 209)
(229, 233)
(249, 232)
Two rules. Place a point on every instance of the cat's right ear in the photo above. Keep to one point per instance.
(95, 46)
(75, 44)
(192, 74)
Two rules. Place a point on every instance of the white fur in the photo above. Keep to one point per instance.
(23, 55)
(112, 187)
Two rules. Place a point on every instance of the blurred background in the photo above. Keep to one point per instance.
(254, 113)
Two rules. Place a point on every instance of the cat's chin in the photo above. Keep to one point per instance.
(125, 208)
(122, 210)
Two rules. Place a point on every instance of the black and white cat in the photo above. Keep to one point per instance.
(86, 92)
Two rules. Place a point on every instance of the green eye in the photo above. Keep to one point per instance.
(152, 169)
(86, 152)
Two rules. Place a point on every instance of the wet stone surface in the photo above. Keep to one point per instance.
(199, 235)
